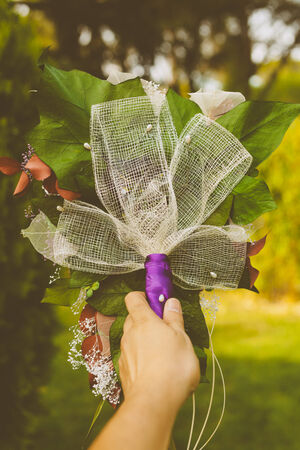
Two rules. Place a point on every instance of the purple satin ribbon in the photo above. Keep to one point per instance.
(158, 281)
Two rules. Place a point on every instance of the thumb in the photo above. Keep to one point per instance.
(173, 313)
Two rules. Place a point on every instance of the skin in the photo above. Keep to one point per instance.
(158, 371)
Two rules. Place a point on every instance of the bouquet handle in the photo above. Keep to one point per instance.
(158, 282)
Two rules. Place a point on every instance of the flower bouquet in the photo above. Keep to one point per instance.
(133, 187)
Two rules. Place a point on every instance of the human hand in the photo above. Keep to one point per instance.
(157, 356)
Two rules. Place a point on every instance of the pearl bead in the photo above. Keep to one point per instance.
(123, 191)
(213, 274)
(59, 208)
(87, 146)
(149, 128)
(161, 298)
(188, 139)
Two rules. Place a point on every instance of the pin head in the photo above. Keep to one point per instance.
(161, 298)
(188, 139)
(87, 146)
(213, 274)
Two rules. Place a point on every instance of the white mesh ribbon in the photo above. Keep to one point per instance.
(158, 189)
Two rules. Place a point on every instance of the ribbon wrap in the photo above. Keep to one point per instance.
(158, 284)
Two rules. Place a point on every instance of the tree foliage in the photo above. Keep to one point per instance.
(26, 325)
(197, 38)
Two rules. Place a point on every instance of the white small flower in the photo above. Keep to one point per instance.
(216, 103)
(116, 77)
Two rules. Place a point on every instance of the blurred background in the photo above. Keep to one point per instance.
(251, 46)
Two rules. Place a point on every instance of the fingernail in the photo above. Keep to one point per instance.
(173, 305)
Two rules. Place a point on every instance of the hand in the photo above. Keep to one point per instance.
(158, 370)
(157, 356)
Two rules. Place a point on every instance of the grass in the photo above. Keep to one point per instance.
(257, 344)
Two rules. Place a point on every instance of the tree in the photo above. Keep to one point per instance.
(26, 325)
(196, 38)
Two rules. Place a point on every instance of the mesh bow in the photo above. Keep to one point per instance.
(156, 190)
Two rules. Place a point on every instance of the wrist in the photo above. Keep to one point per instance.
(158, 400)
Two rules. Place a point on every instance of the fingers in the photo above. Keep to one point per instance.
(173, 313)
(137, 306)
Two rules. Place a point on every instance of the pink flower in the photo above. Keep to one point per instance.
(37, 169)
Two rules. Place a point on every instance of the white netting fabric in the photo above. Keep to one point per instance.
(158, 189)
(131, 172)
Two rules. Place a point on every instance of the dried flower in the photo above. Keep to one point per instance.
(33, 167)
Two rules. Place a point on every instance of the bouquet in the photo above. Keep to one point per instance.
(133, 187)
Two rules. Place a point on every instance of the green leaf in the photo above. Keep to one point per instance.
(81, 279)
(252, 198)
(109, 298)
(201, 355)
(220, 216)
(182, 110)
(37, 201)
(64, 101)
(95, 417)
(59, 293)
(260, 126)
(194, 321)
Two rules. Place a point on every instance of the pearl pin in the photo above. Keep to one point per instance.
(213, 274)
(123, 191)
(188, 139)
(149, 128)
(161, 298)
(59, 208)
(87, 146)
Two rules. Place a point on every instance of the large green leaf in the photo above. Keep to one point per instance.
(260, 126)
(220, 216)
(182, 109)
(59, 293)
(252, 198)
(64, 100)
(39, 202)
(109, 298)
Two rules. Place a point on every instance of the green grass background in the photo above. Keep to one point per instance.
(257, 343)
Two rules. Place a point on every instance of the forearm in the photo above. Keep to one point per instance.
(143, 422)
